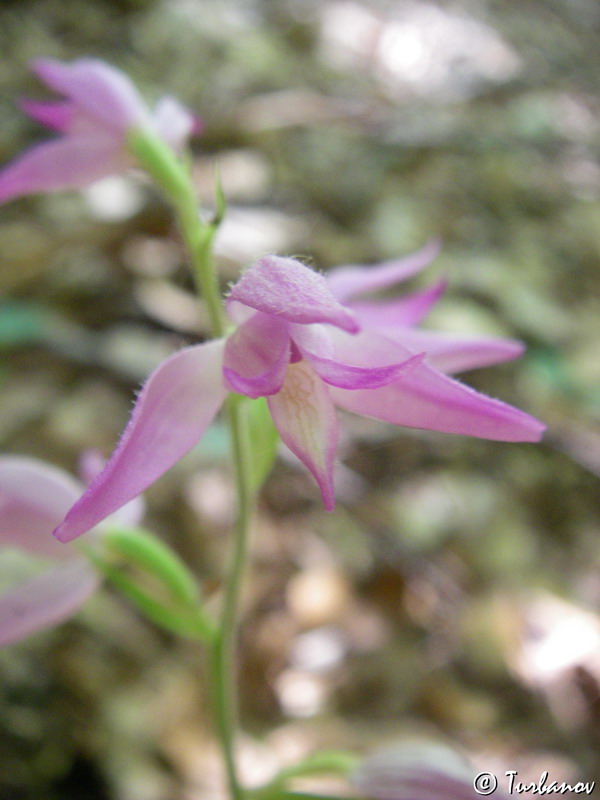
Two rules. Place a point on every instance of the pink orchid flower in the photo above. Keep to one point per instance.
(421, 771)
(102, 107)
(299, 346)
(34, 497)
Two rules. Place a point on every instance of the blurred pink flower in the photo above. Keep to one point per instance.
(298, 345)
(34, 497)
(421, 771)
(101, 108)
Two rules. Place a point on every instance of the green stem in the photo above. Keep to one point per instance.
(199, 240)
(172, 176)
(223, 646)
(223, 652)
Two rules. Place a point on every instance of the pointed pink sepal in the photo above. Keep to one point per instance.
(57, 115)
(450, 353)
(426, 398)
(176, 405)
(401, 313)
(96, 87)
(347, 282)
(67, 163)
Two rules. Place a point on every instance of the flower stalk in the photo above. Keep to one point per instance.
(224, 647)
(171, 175)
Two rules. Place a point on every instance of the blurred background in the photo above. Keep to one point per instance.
(455, 593)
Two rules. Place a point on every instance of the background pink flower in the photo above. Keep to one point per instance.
(101, 107)
(34, 497)
(417, 770)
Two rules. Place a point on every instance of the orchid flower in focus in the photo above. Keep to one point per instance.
(300, 345)
(34, 497)
(101, 109)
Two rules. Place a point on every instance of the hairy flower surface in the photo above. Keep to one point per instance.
(101, 108)
(34, 497)
(308, 344)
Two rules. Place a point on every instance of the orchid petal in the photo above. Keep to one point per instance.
(34, 497)
(403, 312)
(450, 353)
(425, 398)
(45, 600)
(174, 123)
(346, 282)
(238, 312)
(353, 362)
(350, 376)
(314, 339)
(292, 291)
(415, 784)
(306, 420)
(100, 89)
(68, 163)
(91, 464)
(391, 782)
(415, 770)
(256, 356)
(57, 115)
(175, 406)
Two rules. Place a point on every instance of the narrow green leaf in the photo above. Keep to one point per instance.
(336, 762)
(328, 761)
(151, 554)
(181, 621)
